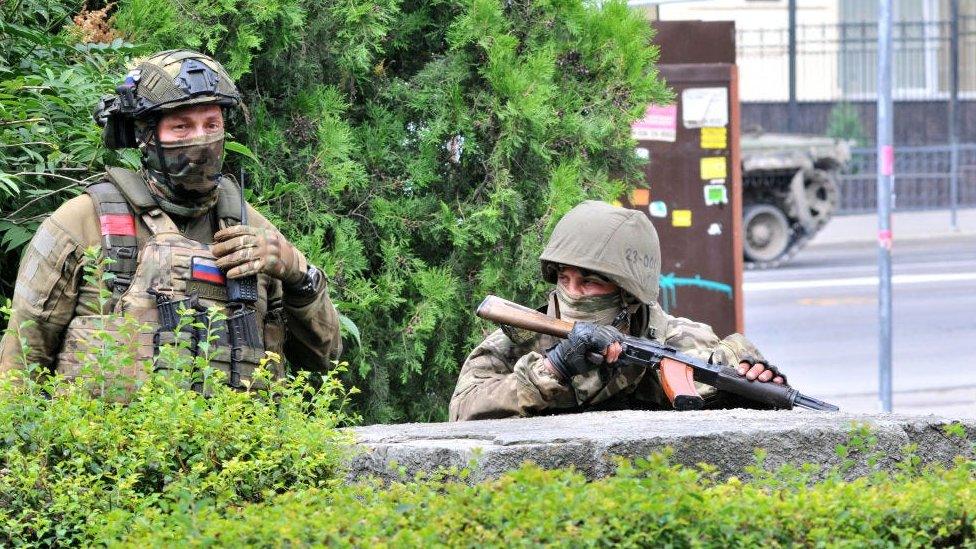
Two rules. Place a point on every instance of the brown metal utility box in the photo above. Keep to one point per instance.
(694, 180)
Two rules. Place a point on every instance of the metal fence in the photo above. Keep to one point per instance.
(923, 179)
(840, 61)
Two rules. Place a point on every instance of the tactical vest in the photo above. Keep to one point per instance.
(155, 278)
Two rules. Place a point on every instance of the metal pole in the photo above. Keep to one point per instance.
(886, 170)
(953, 112)
(791, 115)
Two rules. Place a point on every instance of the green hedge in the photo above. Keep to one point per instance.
(81, 459)
(266, 468)
(648, 504)
(104, 459)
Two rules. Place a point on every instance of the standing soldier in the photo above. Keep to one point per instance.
(174, 234)
(605, 263)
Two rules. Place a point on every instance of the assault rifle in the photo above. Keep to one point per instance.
(678, 371)
(238, 331)
(169, 317)
(242, 331)
(242, 328)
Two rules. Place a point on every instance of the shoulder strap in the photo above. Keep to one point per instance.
(229, 201)
(133, 187)
(118, 230)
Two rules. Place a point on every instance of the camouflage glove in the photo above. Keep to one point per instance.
(243, 250)
(568, 356)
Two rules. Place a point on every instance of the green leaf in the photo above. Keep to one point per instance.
(241, 149)
(349, 327)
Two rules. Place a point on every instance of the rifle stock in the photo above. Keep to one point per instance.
(502, 311)
(677, 371)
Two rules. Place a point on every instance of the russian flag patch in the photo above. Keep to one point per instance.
(205, 269)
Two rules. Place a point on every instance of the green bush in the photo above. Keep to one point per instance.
(646, 504)
(419, 153)
(76, 467)
(845, 123)
(50, 81)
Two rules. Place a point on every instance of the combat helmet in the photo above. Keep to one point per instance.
(615, 242)
(161, 83)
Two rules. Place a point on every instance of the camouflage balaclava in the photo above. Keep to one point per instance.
(182, 175)
(599, 309)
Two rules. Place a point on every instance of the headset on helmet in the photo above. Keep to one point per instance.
(163, 82)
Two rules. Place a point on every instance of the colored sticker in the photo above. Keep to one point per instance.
(117, 224)
(681, 218)
(713, 167)
(205, 269)
(714, 138)
(885, 239)
(658, 209)
(640, 197)
(716, 194)
(714, 229)
(705, 107)
(887, 160)
(660, 123)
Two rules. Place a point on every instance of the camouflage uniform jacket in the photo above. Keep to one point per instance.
(502, 378)
(51, 291)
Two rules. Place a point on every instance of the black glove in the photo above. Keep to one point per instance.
(568, 356)
(752, 361)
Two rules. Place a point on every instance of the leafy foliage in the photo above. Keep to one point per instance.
(81, 459)
(648, 503)
(50, 82)
(845, 123)
(418, 152)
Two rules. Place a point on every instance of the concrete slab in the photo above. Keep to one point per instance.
(591, 442)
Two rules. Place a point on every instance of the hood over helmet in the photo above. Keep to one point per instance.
(615, 242)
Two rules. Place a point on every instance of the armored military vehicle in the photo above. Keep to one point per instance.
(789, 192)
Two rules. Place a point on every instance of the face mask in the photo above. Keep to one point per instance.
(598, 309)
(193, 166)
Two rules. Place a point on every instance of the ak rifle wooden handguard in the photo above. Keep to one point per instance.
(676, 378)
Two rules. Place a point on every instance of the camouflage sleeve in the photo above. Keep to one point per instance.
(46, 290)
(498, 381)
(312, 340)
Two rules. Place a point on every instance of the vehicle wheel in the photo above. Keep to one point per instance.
(822, 195)
(766, 233)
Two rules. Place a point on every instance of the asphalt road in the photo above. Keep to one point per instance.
(818, 318)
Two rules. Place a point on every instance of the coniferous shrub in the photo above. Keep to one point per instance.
(418, 152)
(422, 151)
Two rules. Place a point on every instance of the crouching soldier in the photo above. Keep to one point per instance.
(604, 262)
